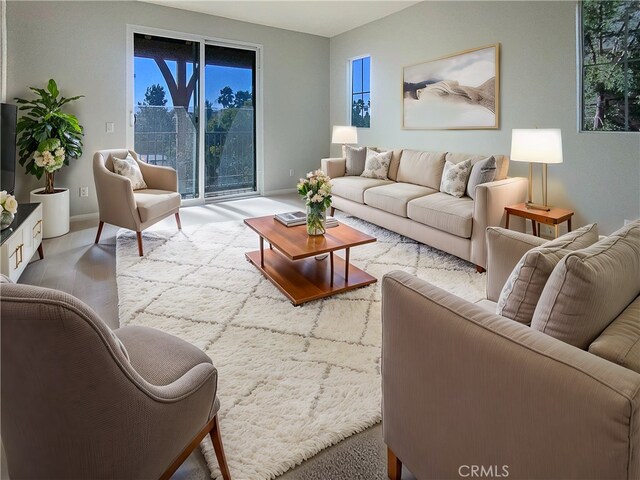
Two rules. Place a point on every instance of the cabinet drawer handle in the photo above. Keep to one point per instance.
(38, 224)
(18, 254)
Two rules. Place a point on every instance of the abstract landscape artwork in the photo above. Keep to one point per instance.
(459, 91)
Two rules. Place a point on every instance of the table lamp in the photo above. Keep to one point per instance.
(344, 134)
(543, 146)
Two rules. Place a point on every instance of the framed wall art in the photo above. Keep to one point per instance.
(457, 92)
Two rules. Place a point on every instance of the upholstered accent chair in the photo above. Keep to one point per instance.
(82, 401)
(136, 210)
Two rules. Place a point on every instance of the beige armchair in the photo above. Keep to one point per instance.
(82, 401)
(136, 210)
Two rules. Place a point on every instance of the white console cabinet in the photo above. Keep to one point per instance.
(21, 240)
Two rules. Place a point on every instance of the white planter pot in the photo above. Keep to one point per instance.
(55, 211)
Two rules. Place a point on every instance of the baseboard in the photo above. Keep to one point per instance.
(84, 216)
(284, 191)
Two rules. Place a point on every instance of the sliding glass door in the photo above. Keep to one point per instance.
(213, 159)
(230, 130)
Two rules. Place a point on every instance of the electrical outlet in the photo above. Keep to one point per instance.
(291, 172)
(110, 127)
(84, 191)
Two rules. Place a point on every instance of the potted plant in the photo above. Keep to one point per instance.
(47, 139)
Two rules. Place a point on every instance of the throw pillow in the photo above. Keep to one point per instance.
(483, 171)
(590, 288)
(620, 342)
(356, 158)
(454, 178)
(377, 164)
(128, 167)
(524, 286)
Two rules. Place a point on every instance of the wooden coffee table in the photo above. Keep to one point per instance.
(290, 261)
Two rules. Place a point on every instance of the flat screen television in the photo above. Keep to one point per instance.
(8, 119)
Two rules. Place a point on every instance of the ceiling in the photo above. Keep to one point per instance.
(325, 18)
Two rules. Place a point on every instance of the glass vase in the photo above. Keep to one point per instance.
(6, 218)
(316, 219)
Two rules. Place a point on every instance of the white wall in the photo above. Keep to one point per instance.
(83, 46)
(600, 176)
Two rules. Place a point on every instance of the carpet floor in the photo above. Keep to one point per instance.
(292, 380)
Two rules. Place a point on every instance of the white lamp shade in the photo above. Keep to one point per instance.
(344, 134)
(543, 145)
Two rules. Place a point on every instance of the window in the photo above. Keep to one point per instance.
(361, 92)
(610, 65)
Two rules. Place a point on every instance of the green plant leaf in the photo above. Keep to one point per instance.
(53, 88)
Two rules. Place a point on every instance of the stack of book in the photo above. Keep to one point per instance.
(292, 219)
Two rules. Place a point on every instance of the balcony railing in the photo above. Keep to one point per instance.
(229, 155)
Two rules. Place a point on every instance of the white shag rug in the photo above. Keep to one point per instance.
(292, 380)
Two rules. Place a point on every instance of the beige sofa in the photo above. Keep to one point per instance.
(410, 202)
(467, 390)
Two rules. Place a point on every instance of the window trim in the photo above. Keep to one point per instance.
(350, 86)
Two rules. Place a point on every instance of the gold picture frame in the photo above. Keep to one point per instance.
(460, 91)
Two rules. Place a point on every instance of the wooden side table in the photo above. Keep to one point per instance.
(554, 217)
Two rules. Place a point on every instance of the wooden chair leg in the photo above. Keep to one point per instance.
(332, 211)
(217, 447)
(139, 235)
(100, 225)
(178, 221)
(394, 465)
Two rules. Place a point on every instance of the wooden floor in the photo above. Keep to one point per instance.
(75, 265)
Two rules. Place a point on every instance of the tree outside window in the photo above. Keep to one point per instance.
(361, 92)
(610, 65)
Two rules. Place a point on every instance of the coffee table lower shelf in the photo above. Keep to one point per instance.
(308, 279)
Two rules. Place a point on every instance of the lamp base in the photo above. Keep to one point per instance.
(536, 206)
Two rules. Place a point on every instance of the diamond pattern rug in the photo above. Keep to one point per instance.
(292, 380)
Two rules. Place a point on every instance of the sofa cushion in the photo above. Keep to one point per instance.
(393, 198)
(444, 212)
(353, 188)
(502, 162)
(395, 163)
(355, 158)
(620, 342)
(589, 288)
(522, 290)
(455, 177)
(483, 171)
(377, 164)
(155, 203)
(421, 168)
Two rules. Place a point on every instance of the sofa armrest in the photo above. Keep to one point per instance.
(464, 386)
(488, 211)
(334, 167)
(505, 248)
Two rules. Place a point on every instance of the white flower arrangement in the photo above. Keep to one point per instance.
(50, 155)
(316, 189)
(8, 203)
